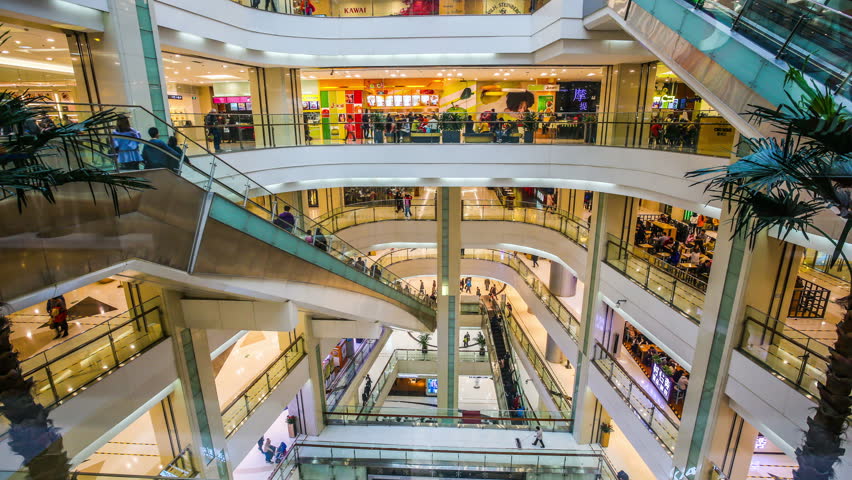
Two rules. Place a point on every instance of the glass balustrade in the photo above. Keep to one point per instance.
(808, 35)
(238, 411)
(436, 417)
(378, 8)
(541, 367)
(680, 290)
(568, 129)
(566, 319)
(575, 228)
(337, 387)
(789, 354)
(590, 464)
(658, 422)
(69, 367)
(504, 401)
(377, 211)
(211, 173)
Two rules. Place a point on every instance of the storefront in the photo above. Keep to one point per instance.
(668, 378)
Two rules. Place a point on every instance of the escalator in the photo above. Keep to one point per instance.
(735, 53)
(207, 218)
(512, 388)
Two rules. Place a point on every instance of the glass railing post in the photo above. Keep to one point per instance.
(49, 375)
(209, 186)
(112, 344)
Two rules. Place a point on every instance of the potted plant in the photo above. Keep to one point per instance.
(423, 340)
(668, 370)
(450, 124)
(606, 430)
(291, 426)
(530, 123)
(481, 339)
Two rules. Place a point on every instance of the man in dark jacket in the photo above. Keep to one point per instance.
(158, 154)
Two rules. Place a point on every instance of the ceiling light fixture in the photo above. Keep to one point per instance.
(51, 40)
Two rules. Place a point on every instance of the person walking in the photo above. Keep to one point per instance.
(350, 129)
(211, 121)
(406, 205)
(270, 3)
(126, 145)
(58, 312)
(398, 202)
(467, 335)
(280, 452)
(539, 440)
(534, 259)
(422, 289)
(487, 283)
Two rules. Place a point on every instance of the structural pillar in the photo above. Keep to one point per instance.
(562, 283)
(552, 353)
(309, 404)
(276, 95)
(198, 389)
(629, 89)
(449, 272)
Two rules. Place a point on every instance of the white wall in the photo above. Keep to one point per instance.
(650, 174)
(676, 334)
(230, 31)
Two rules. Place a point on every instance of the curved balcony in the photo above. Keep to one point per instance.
(569, 323)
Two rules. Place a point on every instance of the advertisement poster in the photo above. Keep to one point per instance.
(545, 103)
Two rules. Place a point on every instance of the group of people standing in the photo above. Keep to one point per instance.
(155, 154)
(673, 131)
(272, 454)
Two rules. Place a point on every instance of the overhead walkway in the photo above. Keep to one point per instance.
(199, 222)
(735, 54)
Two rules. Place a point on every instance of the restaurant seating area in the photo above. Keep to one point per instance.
(683, 249)
(668, 377)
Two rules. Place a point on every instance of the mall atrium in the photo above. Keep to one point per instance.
(412, 239)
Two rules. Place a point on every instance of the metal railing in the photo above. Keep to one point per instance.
(674, 287)
(572, 227)
(353, 366)
(437, 417)
(565, 318)
(629, 130)
(238, 411)
(580, 464)
(497, 370)
(542, 368)
(182, 466)
(376, 211)
(63, 370)
(212, 174)
(791, 355)
(658, 421)
(376, 8)
(809, 300)
(808, 35)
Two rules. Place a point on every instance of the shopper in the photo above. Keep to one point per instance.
(58, 312)
(422, 289)
(268, 450)
(157, 153)
(270, 3)
(467, 334)
(126, 145)
(350, 129)
(478, 293)
(260, 440)
(285, 219)
(280, 452)
(406, 204)
(539, 440)
(397, 196)
(320, 241)
(534, 259)
(487, 283)
(211, 121)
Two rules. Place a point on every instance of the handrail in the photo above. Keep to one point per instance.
(565, 318)
(238, 188)
(89, 342)
(563, 401)
(769, 343)
(231, 425)
(260, 375)
(497, 371)
(510, 213)
(350, 370)
(490, 451)
(666, 439)
(620, 261)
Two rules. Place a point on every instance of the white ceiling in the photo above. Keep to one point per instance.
(34, 58)
(200, 71)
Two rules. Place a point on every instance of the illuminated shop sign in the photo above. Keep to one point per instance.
(661, 381)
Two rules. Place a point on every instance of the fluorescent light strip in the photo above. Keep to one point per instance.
(48, 67)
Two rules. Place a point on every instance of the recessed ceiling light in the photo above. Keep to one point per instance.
(496, 74)
(358, 75)
(24, 46)
(440, 74)
(590, 75)
(506, 74)
(51, 40)
(177, 55)
(403, 75)
(18, 42)
(348, 76)
(5, 51)
(49, 59)
(392, 74)
(187, 68)
(459, 74)
(543, 74)
(242, 71)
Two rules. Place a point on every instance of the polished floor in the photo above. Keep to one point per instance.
(239, 365)
(134, 451)
(95, 303)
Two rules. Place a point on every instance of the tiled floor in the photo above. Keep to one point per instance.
(253, 466)
(30, 331)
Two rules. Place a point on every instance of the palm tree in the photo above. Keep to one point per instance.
(31, 433)
(783, 184)
(37, 155)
